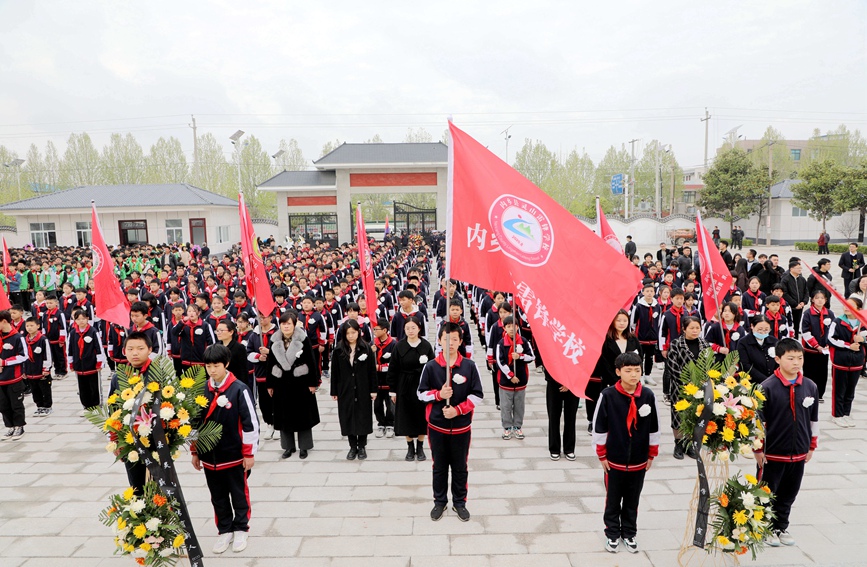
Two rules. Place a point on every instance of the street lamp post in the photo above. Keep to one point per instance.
(277, 156)
(236, 141)
(16, 163)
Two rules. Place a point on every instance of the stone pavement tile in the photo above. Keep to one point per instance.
(267, 561)
(846, 513)
(366, 562)
(585, 522)
(70, 561)
(346, 509)
(562, 542)
(654, 539)
(78, 509)
(487, 544)
(549, 505)
(529, 490)
(452, 561)
(258, 546)
(842, 534)
(384, 526)
(305, 526)
(6, 541)
(15, 509)
(259, 526)
(38, 546)
(411, 545)
(360, 479)
(836, 481)
(521, 523)
(598, 557)
(835, 555)
(535, 560)
(409, 478)
(337, 546)
(788, 556)
(35, 526)
(449, 524)
(21, 479)
(281, 509)
(810, 516)
(382, 493)
(294, 479)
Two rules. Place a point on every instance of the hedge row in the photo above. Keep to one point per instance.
(832, 248)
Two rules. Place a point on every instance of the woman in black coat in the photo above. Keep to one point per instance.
(354, 386)
(756, 351)
(404, 372)
(227, 334)
(292, 378)
(618, 340)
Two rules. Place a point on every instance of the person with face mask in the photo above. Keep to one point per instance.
(756, 351)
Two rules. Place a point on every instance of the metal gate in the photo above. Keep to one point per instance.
(413, 219)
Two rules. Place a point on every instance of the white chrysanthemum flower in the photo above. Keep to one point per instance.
(719, 409)
(167, 413)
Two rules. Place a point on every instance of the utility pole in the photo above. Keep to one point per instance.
(656, 189)
(770, 185)
(631, 181)
(671, 202)
(195, 142)
(706, 121)
(506, 133)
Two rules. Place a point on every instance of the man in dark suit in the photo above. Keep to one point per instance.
(629, 249)
(852, 262)
(795, 292)
(663, 253)
(726, 255)
(169, 259)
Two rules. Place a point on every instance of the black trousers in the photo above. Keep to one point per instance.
(623, 490)
(179, 366)
(816, 369)
(449, 452)
(41, 390)
(266, 404)
(847, 279)
(88, 390)
(12, 404)
(357, 441)
(843, 384)
(383, 409)
(326, 358)
(230, 497)
(796, 319)
(136, 475)
(496, 384)
(565, 404)
(648, 356)
(58, 355)
(784, 480)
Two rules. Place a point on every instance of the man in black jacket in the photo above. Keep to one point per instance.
(629, 248)
(795, 293)
(852, 262)
(726, 255)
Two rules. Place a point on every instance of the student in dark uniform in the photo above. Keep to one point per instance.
(815, 325)
(383, 407)
(85, 357)
(847, 338)
(54, 325)
(645, 326)
(37, 367)
(756, 351)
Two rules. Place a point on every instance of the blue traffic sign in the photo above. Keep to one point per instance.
(617, 184)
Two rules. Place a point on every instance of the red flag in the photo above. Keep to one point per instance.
(8, 269)
(860, 315)
(603, 229)
(387, 229)
(258, 288)
(4, 299)
(365, 264)
(506, 234)
(716, 279)
(111, 303)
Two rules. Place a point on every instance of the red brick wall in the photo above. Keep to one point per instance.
(308, 201)
(392, 179)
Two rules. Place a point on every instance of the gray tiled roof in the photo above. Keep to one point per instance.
(385, 153)
(126, 196)
(302, 179)
(783, 189)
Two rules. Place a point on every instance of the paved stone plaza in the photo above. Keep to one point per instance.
(326, 511)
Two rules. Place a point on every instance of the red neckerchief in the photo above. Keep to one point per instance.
(192, 326)
(380, 347)
(775, 318)
(664, 306)
(144, 367)
(144, 327)
(30, 342)
(81, 343)
(726, 333)
(788, 384)
(240, 306)
(632, 414)
(82, 302)
(458, 321)
(821, 314)
(218, 318)
(218, 392)
(755, 296)
(678, 313)
(507, 340)
(441, 360)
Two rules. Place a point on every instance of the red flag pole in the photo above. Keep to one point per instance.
(858, 314)
(702, 233)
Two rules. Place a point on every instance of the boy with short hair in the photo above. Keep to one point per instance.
(512, 355)
(626, 436)
(12, 357)
(54, 325)
(37, 367)
(791, 422)
(85, 357)
(383, 407)
(228, 464)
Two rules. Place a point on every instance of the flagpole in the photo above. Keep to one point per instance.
(450, 201)
(598, 219)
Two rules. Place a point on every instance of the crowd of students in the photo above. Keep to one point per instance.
(388, 380)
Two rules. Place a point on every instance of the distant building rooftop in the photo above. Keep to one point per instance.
(125, 196)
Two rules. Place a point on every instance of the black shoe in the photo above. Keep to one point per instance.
(437, 512)
(287, 453)
(678, 451)
(590, 428)
(462, 512)
(690, 452)
(419, 451)
(410, 451)
(303, 454)
(362, 453)
(350, 456)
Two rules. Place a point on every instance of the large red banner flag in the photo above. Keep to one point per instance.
(603, 229)
(504, 233)
(111, 302)
(716, 278)
(365, 264)
(258, 288)
(8, 268)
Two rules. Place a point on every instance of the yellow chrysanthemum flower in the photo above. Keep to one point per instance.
(127, 394)
(704, 439)
(743, 430)
(690, 389)
(723, 541)
(699, 409)
(168, 391)
(742, 536)
(759, 394)
(728, 435)
(179, 540)
(184, 430)
(112, 399)
(202, 400)
(731, 382)
(121, 523)
(183, 415)
(153, 386)
(714, 374)
(145, 441)
(135, 379)
(745, 383)
(758, 514)
(139, 531)
(145, 546)
(716, 394)
(129, 438)
(128, 547)
(751, 479)
(187, 383)
(128, 493)
(681, 405)
(740, 517)
(138, 388)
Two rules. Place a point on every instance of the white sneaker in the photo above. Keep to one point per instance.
(773, 539)
(223, 542)
(839, 421)
(786, 538)
(39, 412)
(380, 432)
(540, 370)
(240, 543)
(651, 381)
(849, 423)
(389, 432)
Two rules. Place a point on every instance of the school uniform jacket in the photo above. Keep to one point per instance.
(467, 393)
(781, 327)
(383, 354)
(54, 326)
(719, 336)
(815, 326)
(671, 326)
(626, 427)
(757, 359)
(399, 321)
(13, 355)
(230, 405)
(38, 356)
(255, 341)
(645, 322)
(154, 335)
(315, 327)
(508, 368)
(194, 339)
(791, 418)
(84, 352)
(840, 336)
(753, 303)
(466, 348)
(236, 309)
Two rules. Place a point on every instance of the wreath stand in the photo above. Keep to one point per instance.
(717, 474)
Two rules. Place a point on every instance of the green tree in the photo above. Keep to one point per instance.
(167, 162)
(122, 161)
(615, 161)
(845, 147)
(417, 136)
(212, 172)
(256, 168)
(573, 183)
(377, 139)
(853, 194)
(734, 187)
(293, 158)
(81, 163)
(538, 164)
(819, 190)
(329, 147)
(773, 142)
(657, 155)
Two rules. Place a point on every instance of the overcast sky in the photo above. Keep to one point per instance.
(572, 74)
